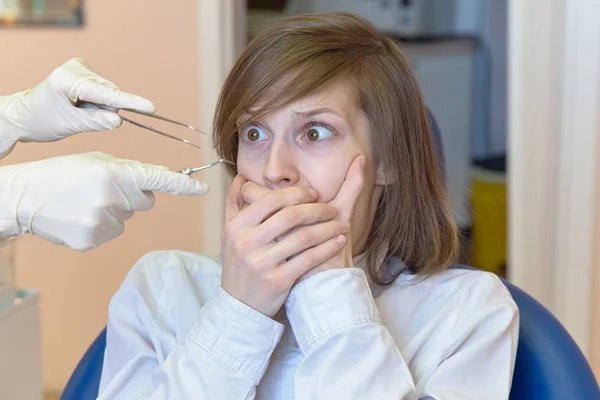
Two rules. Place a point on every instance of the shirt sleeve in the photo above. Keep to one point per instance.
(349, 354)
(223, 356)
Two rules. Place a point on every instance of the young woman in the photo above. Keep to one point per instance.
(333, 281)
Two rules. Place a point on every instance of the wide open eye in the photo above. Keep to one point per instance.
(253, 133)
(317, 131)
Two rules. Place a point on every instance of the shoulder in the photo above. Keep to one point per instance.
(447, 311)
(164, 291)
(464, 299)
(458, 283)
(484, 312)
(159, 268)
(160, 277)
(479, 289)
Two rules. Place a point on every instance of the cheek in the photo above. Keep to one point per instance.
(325, 179)
(250, 167)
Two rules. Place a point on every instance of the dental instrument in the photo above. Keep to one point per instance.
(187, 171)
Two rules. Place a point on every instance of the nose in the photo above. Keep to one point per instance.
(280, 170)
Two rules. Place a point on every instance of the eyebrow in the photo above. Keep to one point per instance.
(298, 114)
(316, 111)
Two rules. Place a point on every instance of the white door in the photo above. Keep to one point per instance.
(221, 37)
(554, 102)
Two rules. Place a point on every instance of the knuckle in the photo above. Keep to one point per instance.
(245, 190)
(92, 222)
(299, 192)
(102, 173)
(280, 198)
(269, 202)
(100, 170)
(274, 198)
(304, 236)
(241, 243)
(328, 211)
(291, 215)
(229, 231)
(309, 259)
(254, 263)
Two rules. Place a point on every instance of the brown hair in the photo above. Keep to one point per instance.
(301, 54)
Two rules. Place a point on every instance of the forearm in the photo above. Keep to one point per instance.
(223, 356)
(348, 353)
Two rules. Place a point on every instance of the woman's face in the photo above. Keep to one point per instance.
(311, 143)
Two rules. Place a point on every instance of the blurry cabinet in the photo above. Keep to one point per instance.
(20, 348)
(445, 69)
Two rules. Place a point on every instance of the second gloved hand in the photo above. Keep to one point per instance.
(82, 200)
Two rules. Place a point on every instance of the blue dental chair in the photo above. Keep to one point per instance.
(549, 365)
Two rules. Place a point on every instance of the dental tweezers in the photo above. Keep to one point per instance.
(187, 171)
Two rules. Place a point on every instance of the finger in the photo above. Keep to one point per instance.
(274, 201)
(291, 217)
(251, 192)
(351, 188)
(306, 238)
(157, 179)
(92, 118)
(100, 120)
(134, 198)
(78, 64)
(100, 91)
(101, 236)
(138, 200)
(233, 200)
(121, 214)
(313, 257)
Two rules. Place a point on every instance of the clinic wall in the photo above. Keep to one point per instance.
(147, 47)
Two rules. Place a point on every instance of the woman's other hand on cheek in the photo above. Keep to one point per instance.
(260, 270)
(344, 202)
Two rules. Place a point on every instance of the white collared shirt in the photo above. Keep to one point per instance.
(174, 333)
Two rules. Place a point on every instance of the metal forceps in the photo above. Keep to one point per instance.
(187, 171)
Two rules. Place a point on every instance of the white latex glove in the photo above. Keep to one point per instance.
(47, 113)
(82, 200)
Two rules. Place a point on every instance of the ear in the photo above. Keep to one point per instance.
(383, 176)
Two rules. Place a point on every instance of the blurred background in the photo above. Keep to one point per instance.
(513, 86)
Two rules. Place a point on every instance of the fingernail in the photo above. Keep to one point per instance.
(363, 161)
(313, 193)
(340, 239)
(344, 225)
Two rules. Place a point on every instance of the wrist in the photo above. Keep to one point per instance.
(10, 131)
(342, 259)
(11, 224)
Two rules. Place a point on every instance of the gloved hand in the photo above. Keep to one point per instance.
(47, 113)
(82, 200)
